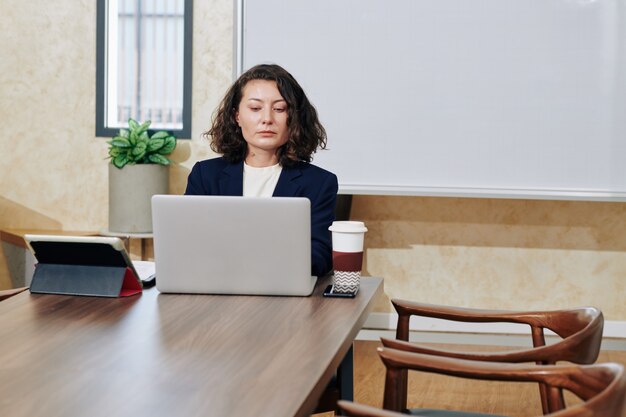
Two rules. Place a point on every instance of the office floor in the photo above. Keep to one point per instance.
(436, 391)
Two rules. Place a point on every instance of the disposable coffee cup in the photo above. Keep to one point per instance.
(347, 237)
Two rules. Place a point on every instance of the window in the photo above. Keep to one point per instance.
(144, 65)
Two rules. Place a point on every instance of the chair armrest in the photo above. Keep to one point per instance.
(518, 355)
(406, 309)
(411, 308)
(554, 375)
(399, 359)
(4, 294)
(585, 381)
(581, 330)
(359, 410)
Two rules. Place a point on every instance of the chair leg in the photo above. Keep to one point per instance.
(540, 340)
(543, 394)
(556, 402)
(402, 333)
(394, 387)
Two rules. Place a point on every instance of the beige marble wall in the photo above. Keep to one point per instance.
(492, 253)
(472, 252)
(52, 162)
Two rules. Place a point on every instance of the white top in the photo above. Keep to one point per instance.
(260, 182)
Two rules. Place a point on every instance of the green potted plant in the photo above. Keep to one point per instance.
(135, 146)
(138, 170)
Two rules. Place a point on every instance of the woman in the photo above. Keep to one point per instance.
(267, 131)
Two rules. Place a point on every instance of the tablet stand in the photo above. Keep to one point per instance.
(98, 281)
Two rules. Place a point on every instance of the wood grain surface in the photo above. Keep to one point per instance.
(173, 355)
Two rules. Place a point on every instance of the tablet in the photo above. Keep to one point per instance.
(79, 250)
(82, 251)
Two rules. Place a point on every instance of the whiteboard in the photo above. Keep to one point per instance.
(486, 98)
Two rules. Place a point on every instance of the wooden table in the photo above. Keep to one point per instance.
(174, 355)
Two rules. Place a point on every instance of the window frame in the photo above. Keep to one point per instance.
(101, 73)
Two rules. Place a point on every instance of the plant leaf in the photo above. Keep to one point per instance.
(144, 127)
(161, 134)
(155, 144)
(139, 149)
(130, 156)
(158, 159)
(120, 142)
(170, 144)
(133, 125)
(120, 160)
(124, 133)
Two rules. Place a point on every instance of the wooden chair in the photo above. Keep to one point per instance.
(580, 330)
(4, 294)
(602, 387)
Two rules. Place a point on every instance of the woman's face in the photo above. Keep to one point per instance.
(262, 116)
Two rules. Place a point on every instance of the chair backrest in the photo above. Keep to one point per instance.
(580, 330)
(602, 387)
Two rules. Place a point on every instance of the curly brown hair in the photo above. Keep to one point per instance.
(306, 133)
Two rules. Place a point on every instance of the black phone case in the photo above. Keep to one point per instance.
(328, 293)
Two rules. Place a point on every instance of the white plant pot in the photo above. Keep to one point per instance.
(130, 192)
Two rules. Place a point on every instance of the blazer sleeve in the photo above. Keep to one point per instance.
(195, 184)
(322, 216)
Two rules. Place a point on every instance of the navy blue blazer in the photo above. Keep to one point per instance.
(220, 177)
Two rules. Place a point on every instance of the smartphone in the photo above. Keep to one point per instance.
(328, 292)
(149, 282)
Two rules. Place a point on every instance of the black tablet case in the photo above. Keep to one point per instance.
(82, 268)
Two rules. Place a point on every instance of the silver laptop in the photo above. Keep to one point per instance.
(232, 245)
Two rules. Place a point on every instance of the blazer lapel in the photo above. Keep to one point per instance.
(231, 180)
(287, 185)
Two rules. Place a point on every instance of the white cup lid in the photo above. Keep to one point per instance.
(348, 227)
